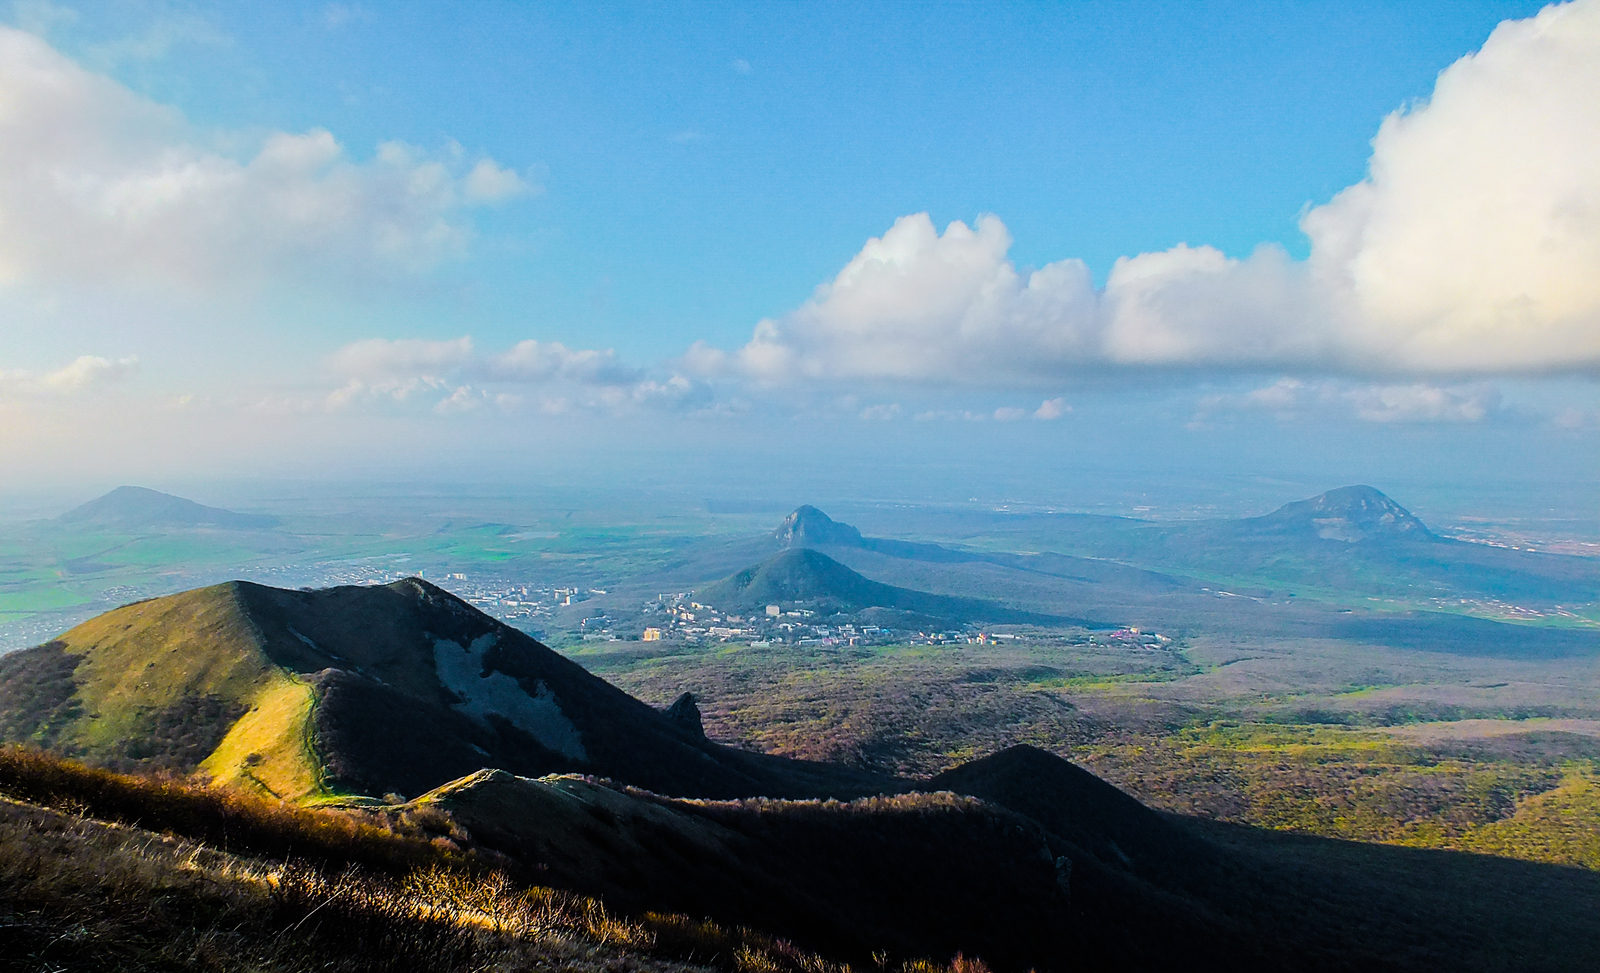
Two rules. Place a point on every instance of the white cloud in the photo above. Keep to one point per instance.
(397, 370)
(1472, 247)
(488, 183)
(89, 371)
(83, 374)
(1052, 409)
(1417, 402)
(378, 359)
(1423, 403)
(1473, 244)
(101, 185)
(533, 361)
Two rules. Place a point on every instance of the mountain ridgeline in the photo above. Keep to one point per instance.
(405, 696)
(1319, 566)
(404, 690)
(382, 689)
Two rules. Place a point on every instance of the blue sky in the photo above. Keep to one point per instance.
(341, 225)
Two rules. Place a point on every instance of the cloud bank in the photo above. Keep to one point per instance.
(1472, 247)
(1409, 403)
(99, 184)
(567, 379)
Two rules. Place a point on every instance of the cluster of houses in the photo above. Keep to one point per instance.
(691, 621)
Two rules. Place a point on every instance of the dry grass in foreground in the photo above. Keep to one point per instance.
(80, 890)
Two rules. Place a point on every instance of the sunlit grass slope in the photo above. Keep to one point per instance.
(183, 682)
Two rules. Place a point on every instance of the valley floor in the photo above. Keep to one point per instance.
(1321, 740)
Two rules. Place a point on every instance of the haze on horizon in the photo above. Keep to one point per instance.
(1012, 248)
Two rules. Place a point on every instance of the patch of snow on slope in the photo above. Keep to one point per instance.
(461, 670)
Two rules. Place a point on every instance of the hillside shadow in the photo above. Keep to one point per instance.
(1410, 908)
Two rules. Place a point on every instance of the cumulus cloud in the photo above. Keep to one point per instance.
(99, 184)
(85, 373)
(1052, 409)
(1416, 402)
(1471, 247)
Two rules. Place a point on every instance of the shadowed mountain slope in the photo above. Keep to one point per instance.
(1083, 809)
(1030, 863)
(806, 577)
(138, 507)
(397, 688)
(920, 874)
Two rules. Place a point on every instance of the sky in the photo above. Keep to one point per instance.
(745, 242)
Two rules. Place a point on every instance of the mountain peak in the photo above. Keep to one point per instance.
(810, 527)
(132, 506)
(358, 689)
(1352, 514)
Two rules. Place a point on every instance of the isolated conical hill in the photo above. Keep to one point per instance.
(810, 527)
(1350, 514)
(138, 507)
(370, 690)
(804, 577)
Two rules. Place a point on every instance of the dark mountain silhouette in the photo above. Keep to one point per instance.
(1085, 810)
(929, 873)
(805, 577)
(393, 688)
(138, 507)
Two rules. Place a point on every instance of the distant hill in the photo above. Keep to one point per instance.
(810, 527)
(365, 690)
(138, 507)
(809, 578)
(1350, 514)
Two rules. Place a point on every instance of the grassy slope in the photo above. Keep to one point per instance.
(270, 747)
(219, 882)
(146, 664)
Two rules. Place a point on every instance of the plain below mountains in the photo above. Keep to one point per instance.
(1348, 564)
(1019, 858)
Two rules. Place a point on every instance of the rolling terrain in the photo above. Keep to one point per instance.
(335, 697)
(870, 800)
(371, 690)
(1350, 564)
